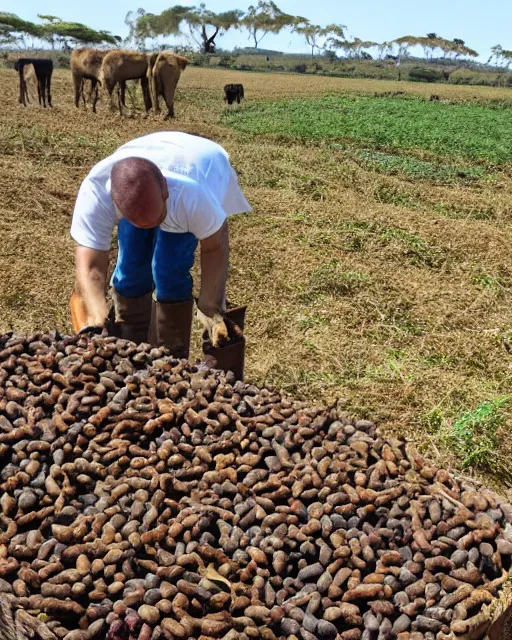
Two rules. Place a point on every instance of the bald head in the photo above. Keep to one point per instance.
(139, 191)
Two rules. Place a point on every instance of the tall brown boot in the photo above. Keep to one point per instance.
(133, 316)
(171, 326)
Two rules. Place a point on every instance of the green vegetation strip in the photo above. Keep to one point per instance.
(418, 169)
(469, 131)
(475, 436)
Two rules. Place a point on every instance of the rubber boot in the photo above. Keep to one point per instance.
(171, 326)
(133, 316)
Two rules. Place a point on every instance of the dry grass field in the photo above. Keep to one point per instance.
(377, 277)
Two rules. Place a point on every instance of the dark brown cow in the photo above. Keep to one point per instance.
(233, 93)
(43, 68)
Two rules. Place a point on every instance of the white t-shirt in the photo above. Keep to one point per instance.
(203, 188)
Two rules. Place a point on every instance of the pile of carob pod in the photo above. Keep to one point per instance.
(147, 497)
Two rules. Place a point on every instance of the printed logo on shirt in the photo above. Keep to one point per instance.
(184, 170)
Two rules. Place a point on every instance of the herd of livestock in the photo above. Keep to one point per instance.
(158, 73)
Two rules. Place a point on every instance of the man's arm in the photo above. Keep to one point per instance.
(214, 272)
(91, 283)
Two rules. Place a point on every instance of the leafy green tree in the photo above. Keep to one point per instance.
(507, 55)
(330, 55)
(431, 44)
(384, 48)
(317, 36)
(203, 25)
(312, 34)
(47, 34)
(404, 44)
(265, 17)
(49, 19)
(72, 33)
(496, 54)
(502, 57)
(139, 29)
(53, 31)
(14, 30)
(8, 39)
(352, 48)
(456, 47)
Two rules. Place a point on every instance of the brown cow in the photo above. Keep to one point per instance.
(164, 77)
(120, 65)
(85, 65)
(29, 81)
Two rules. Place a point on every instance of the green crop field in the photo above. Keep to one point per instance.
(376, 264)
(476, 131)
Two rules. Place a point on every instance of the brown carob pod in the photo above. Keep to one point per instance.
(143, 497)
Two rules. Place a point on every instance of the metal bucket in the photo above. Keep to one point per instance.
(229, 358)
(502, 628)
(232, 356)
(236, 315)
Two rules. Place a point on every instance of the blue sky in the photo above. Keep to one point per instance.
(481, 23)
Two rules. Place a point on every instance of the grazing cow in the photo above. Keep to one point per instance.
(85, 65)
(164, 75)
(119, 66)
(30, 80)
(43, 68)
(233, 92)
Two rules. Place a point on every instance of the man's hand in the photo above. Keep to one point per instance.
(216, 328)
(90, 287)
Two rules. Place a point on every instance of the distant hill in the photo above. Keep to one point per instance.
(261, 52)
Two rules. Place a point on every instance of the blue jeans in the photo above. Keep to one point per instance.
(152, 259)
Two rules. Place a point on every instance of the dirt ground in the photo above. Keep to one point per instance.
(335, 313)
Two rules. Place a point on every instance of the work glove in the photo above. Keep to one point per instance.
(215, 327)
